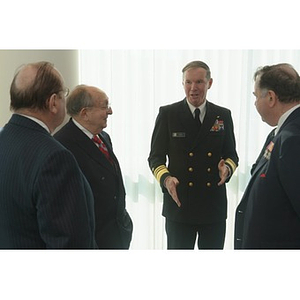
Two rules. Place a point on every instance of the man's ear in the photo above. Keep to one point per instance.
(53, 103)
(84, 113)
(273, 99)
(210, 83)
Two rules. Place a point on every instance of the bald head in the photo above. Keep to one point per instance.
(89, 106)
(25, 77)
(84, 96)
(33, 84)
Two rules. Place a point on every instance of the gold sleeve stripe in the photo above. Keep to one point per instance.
(159, 171)
(231, 164)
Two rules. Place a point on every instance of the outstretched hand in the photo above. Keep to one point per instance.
(223, 172)
(170, 184)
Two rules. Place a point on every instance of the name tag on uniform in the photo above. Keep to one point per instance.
(178, 134)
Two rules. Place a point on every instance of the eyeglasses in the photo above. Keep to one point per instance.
(66, 92)
(107, 107)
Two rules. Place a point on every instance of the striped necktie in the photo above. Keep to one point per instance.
(96, 139)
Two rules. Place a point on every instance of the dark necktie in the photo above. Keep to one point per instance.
(96, 139)
(197, 118)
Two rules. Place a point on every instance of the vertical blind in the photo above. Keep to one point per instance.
(138, 82)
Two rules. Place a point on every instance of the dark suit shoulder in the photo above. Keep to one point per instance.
(217, 108)
(173, 106)
(65, 130)
(105, 135)
(70, 133)
(183, 103)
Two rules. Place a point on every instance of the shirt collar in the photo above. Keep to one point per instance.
(283, 118)
(41, 123)
(84, 130)
(202, 108)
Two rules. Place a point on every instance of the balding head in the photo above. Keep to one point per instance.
(33, 84)
(83, 96)
(25, 77)
(89, 106)
(282, 79)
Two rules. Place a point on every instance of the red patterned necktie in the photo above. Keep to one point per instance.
(96, 139)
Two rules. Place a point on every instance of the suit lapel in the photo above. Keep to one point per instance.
(294, 115)
(188, 122)
(210, 118)
(185, 117)
(88, 146)
(110, 151)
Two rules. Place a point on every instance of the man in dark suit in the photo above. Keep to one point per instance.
(89, 108)
(268, 216)
(45, 200)
(201, 154)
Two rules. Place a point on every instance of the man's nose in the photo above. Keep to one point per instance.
(193, 86)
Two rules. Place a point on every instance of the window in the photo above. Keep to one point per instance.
(138, 82)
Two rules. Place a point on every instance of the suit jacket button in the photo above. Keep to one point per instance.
(191, 154)
(209, 154)
(208, 170)
(191, 184)
(208, 184)
(191, 169)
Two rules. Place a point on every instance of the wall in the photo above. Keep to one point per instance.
(66, 61)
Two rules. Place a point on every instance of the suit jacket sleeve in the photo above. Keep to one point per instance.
(159, 147)
(288, 169)
(229, 147)
(64, 203)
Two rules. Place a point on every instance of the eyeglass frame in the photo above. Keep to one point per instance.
(65, 90)
(107, 107)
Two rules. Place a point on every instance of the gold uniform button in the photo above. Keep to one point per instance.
(209, 154)
(208, 169)
(208, 184)
(191, 184)
(191, 169)
(191, 154)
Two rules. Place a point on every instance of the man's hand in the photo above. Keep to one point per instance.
(223, 172)
(170, 184)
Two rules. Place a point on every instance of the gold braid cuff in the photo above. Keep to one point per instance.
(231, 164)
(159, 171)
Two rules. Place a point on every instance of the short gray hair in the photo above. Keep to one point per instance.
(78, 99)
(197, 64)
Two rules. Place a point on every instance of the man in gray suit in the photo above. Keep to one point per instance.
(45, 200)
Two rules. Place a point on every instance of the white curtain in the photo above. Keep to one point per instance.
(138, 82)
